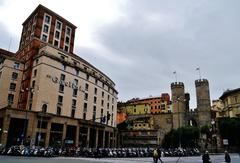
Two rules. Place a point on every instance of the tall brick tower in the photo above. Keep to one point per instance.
(179, 106)
(43, 26)
(203, 101)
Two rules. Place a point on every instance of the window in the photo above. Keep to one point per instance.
(14, 75)
(87, 77)
(102, 94)
(60, 100)
(102, 103)
(94, 113)
(96, 81)
(86, 87)
(57, 35)
(75, 92)
(16, 65)
(59, 25)
(108, 97)
(85, 107)
(37, 61)
(61, 88)
(66, 48)
(10, 98)
(107, 105)
(44, 108)
(44, 38)
(74, 103)
(47, 19)
(95, 100)
(63, 66)
(112, 100)
(62, 77)
(68, 31)
(59, 110)
(84, 116)
(77, 72)
(67, 40)
(95, 91)
(33, 84)
(12, 87)
(45, 28)
(102, 112)
(73, 113)
(35, 73)
(56, 43)
(85, 96)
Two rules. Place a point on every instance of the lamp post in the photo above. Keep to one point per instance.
(179, 135)
(23, 135)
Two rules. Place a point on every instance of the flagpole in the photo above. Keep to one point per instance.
(175, 73)
(199, 72)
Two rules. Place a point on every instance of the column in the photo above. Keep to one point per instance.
(64, 133)
(103, 141)
(96, 145)
(77, 136)
(109, 138)
(88, 137)
(6, 123)
(48, 132)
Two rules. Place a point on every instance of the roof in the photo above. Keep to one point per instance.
(229, 92)
(7, 53)
(50, 12)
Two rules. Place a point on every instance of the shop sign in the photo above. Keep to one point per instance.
(65, 83)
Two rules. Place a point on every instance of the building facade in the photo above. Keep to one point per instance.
(231, 103)
(149, 128)
(55, 97)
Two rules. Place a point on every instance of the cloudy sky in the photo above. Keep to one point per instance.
(140, 43)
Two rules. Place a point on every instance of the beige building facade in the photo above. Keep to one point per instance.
(51, 96)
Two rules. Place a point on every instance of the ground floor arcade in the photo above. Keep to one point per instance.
(42, 129)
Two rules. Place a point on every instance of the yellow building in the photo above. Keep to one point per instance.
(138, 109)
(231, 103)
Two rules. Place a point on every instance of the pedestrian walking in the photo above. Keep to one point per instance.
(155, 155)
(206, 158)
(159, 154)
(227, 157)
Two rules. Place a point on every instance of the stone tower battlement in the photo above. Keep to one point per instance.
(177, 85)
(201, 82)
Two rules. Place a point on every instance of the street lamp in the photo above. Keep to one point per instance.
(23, 135)
(179, 135)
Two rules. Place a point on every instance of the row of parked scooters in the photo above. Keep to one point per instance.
(95, 152)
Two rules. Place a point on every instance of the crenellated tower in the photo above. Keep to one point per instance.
(203, 102)
(178, 104)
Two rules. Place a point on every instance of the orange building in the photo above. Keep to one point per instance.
(158, 104)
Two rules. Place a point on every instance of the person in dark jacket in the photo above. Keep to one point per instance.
(227, 157)
(159, 154)
(206, 158)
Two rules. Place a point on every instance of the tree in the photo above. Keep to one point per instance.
(188, 136)
(229, 129)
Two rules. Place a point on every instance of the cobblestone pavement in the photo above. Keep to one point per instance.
(214, 158)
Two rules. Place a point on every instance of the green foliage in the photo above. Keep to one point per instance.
(229, 129)
(188, 135)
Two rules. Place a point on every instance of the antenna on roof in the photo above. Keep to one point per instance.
(9, 45)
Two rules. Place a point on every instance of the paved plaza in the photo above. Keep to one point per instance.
(214, 158)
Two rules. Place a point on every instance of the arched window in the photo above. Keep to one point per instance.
(59, 110)
(44, 108)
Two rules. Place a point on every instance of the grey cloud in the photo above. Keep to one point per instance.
(181, 36)
(7, 40)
